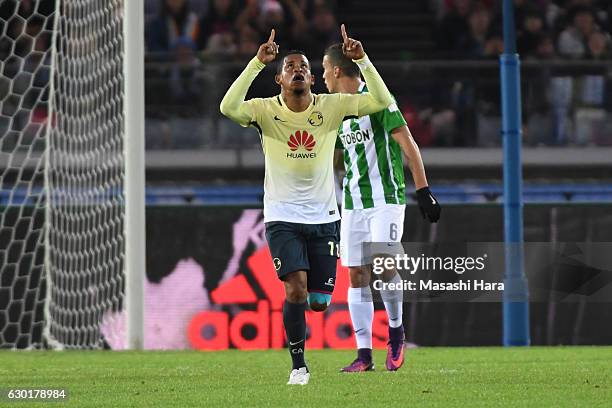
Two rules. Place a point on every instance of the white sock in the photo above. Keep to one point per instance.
(361, 308)
(393, 300)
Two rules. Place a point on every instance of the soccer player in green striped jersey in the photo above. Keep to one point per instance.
(373, 204)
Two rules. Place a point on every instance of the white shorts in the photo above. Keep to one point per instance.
(378, 224)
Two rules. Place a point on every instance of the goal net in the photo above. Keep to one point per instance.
(62, 203)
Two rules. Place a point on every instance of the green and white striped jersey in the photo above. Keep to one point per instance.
(372, 159)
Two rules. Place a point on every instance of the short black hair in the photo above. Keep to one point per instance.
(338, 59)
(281, 62)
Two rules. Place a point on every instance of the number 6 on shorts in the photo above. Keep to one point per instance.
(393, 231)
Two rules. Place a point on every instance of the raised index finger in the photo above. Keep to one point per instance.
(343, 30)
(271, 39)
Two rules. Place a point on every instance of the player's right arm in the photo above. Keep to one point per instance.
(233, 104)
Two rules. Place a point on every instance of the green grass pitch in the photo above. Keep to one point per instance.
(443, 377)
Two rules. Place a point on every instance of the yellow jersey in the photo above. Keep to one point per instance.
(299, 146)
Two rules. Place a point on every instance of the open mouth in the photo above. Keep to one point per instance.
(298, 77)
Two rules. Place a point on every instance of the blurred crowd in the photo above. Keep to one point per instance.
(187, 43)
(234, 29)
(195, 48)
(463, 111)
(561, 105)
(576, 29)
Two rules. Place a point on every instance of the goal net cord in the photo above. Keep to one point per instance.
(62, 180)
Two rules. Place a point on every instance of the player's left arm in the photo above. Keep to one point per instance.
(378, 96)
(428, 204)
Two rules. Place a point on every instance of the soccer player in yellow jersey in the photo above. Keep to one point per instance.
(298, 136)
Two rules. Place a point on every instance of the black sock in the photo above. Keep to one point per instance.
(365, 354)
(396, 334)
(295, 327)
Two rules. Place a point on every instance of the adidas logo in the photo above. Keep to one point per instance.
(255, 302)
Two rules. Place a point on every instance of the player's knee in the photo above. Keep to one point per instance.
(359, 276)
(295, 287)
(319, 301)
(296, 293)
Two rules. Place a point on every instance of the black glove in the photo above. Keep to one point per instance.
(430, 209)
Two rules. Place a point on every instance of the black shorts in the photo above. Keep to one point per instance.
(306, 247)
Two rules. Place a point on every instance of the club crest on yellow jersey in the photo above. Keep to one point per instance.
(315, 118)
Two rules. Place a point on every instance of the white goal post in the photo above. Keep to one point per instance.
(134, 170)
(72, 174)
